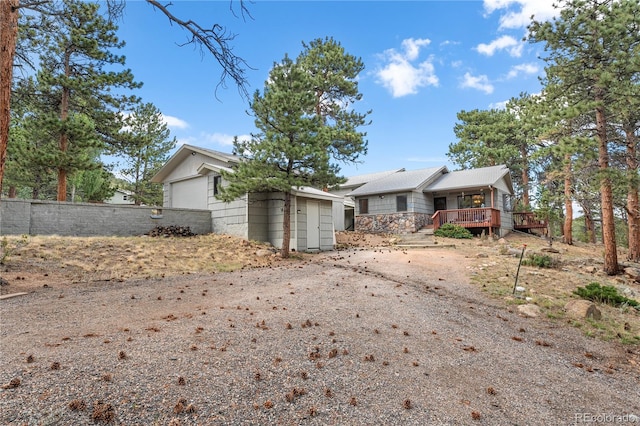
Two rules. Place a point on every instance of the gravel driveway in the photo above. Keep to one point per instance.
(357, 337)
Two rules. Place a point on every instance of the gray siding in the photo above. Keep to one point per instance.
(506, 218)
(258, 217)
(276, 215)
(422, 203)
(36, 217)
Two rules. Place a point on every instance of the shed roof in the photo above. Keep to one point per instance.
(309, 192)
(472, 178)
(399, 181)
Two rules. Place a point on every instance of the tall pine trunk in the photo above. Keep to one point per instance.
(63, 143)
(525, 177)
(286, 225)
(606, 191)
(633, 210)
(568, 201)
(8, 39)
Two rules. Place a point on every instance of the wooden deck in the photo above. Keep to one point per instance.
(486, 218)
(526, 221)
(469, 218)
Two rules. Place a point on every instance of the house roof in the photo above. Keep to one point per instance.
(399, 181)
(472, 178)
(183, 152)
(359, 180)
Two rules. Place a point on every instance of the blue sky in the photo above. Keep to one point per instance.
(425, 61)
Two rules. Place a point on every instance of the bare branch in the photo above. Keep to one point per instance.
(215, 40)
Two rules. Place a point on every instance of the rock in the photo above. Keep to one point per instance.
(529, 310)
(3, 281)
(479, 255)
(502, 241)
(582, 309)
(514, 252)
(633, 273)
(263, 252)
(550, 250)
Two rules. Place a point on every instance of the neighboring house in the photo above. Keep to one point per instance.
(191, 178)
(121, 196)
(406, 201)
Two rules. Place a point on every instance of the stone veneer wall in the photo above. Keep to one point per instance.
(392, 223)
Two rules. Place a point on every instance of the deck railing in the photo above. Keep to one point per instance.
(483, 217)
(528, 220)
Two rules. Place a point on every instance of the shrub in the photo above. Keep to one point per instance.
(450, 230)
(605, 294)
(539, 260)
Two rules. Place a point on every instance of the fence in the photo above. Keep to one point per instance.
(36, 217)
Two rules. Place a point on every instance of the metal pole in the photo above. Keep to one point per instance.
(524, 246)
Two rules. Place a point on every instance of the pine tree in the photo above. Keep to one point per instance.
(74, 74)
(214, 39)
(593, 51)
(304, 126)
(146, 148)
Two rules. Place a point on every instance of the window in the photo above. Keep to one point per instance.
(507, 204)
(401, 203)
(217, 184)
(470, 201)
(363, 205)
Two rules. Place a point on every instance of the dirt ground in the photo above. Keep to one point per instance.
(217, 330)
(489, 266)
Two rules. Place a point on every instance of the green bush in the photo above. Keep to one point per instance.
(449, 230)
(539, 260)
(605, 294)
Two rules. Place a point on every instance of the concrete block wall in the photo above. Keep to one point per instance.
(36, 217)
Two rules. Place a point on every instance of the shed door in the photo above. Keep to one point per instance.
(313, 225)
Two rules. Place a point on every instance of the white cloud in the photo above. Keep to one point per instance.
(400, 76)
(480, 82)
(508, 43)
(222, 138)
(517, 13)
(523, 69)
(174, 122)
(412, 47)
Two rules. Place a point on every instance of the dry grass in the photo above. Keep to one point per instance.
(87, 259)
(63, 261)
(551, 288)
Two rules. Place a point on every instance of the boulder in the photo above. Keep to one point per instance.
(633, 273)
(529, 310)
(582, 309)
